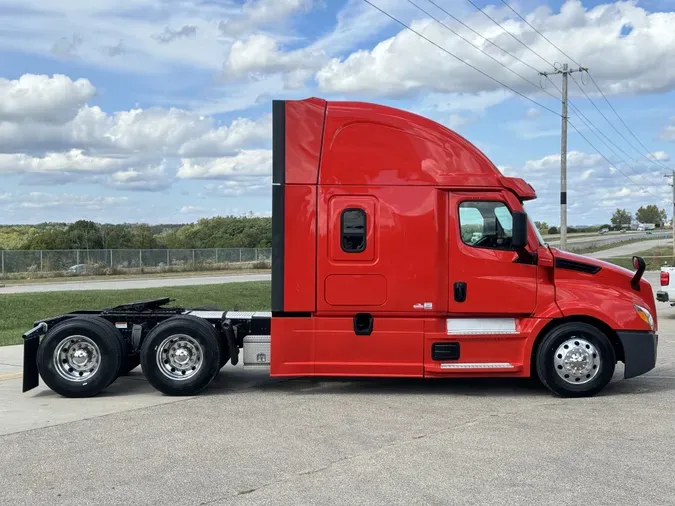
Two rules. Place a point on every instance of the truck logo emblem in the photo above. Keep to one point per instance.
(261, 357)
(427, 305)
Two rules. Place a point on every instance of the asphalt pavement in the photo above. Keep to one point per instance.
(252, 440)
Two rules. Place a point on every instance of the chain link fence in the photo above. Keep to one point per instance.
(48, 263)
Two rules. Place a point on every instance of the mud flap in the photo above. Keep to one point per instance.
(639, 350)
(31, 376)
(231, 342)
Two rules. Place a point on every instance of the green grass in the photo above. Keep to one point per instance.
(595, 249)
(654, 258)
(19, 311)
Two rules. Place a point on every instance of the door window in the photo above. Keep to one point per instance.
(353, 223)
(486, 224)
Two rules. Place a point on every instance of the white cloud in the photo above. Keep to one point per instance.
(70, 161)
(139, 149)
(594, 188)
(406, 63)
(661, 156)
(52, 99)
(456, 121)
(239, 187)
(533, 112)
(585, 175)
(256, 13)
(226, 140)
(261, 53)
(246, 163)
(575, 159)
(668, 133)
(169, 35)
(87, 30)
(156, 131)
(192, 210)
(42, 200)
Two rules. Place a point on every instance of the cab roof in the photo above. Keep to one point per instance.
(361, 143)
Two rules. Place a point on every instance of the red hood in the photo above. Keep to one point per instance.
(612, 277)
(605, 266)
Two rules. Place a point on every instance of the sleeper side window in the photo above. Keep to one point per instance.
(353, 230)
(486, 224)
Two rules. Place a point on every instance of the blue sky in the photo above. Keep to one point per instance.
(159, 110)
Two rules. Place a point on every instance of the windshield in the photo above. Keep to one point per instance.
(536, 230)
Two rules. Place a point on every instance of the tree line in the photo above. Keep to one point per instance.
(646, 214)
(218, 232)
(620, 218)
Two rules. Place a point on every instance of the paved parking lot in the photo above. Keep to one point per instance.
(252, 440)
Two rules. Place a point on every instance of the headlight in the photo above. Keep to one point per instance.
(645, 315)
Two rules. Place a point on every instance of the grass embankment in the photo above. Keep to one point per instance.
(602, 247)
(654, 258)
(19, 311)
(177, 274)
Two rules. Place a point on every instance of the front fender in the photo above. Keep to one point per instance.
(611, 305)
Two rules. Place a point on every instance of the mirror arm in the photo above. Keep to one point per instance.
(526, 257)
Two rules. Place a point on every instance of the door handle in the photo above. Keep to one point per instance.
(460, 291)
(363, 324)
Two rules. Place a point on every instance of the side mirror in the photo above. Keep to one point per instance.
(519, 238)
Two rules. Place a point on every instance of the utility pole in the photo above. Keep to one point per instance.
(672, 221)
(565, 71)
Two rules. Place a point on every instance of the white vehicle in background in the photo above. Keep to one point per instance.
(667, 291)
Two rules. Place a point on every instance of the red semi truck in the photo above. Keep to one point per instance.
(399, 250)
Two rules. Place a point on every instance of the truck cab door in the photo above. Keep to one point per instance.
(485, 274)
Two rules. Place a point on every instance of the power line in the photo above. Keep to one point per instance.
(611, 124)
(480, 49)
(396, 20)
(541, 34)
(541, 57)
(592, 126)
(622, 121)
(589, 98)
(481, 36)
(608, 161)
(514, 37)
(393, 18)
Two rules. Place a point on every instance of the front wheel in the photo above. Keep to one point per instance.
(575, 360)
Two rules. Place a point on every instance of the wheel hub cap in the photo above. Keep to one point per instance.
(179, 356)
(577, 361)
(77, 358)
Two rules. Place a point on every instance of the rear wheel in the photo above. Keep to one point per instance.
(575, 360)
(80, 357)
(181, 355)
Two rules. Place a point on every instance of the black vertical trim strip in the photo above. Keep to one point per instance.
(278, 142)
(278, 201)
(563, 198)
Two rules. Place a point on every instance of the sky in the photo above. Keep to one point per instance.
(159, 111)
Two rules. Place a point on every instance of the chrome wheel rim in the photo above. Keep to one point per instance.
(577, 361)
(77, 358)
(179, 357)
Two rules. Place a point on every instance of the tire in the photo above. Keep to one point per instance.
(109, 329)
(575, 360)
(98, 345)
(190, 362)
